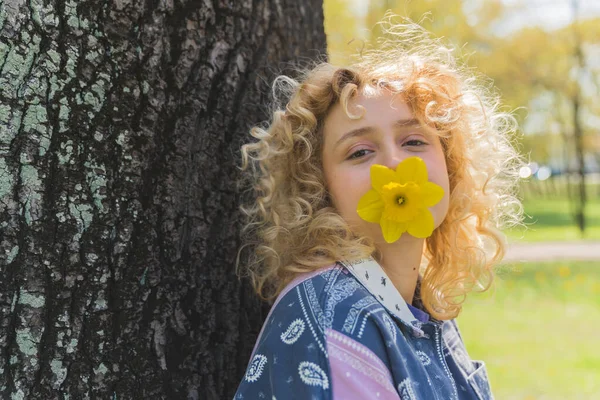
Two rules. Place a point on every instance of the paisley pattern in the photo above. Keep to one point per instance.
(293, 332)
(313, 375)
(355, 311)
(405, 390)
(256, 368)
(338, 293)
(425, 360)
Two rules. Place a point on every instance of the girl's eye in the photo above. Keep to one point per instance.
(358, 154)
(415, 142)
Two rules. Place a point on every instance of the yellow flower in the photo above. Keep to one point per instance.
(564, 271)
(399, 199)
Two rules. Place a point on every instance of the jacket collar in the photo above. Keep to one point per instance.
(372, 276)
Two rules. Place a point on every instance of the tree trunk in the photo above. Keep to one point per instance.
(577, 128)
(581, 195)
(120, 124)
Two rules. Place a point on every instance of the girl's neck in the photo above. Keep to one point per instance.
(400, 261)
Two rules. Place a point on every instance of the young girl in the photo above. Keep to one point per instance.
(379, 188)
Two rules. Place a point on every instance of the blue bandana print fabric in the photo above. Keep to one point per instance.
(344, 332)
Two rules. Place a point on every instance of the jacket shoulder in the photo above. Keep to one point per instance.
(333, 298)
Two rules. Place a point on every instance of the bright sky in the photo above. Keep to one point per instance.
(550, 13)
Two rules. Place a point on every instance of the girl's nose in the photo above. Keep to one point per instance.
(392, 157)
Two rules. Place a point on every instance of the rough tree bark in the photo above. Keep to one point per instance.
(120, 123)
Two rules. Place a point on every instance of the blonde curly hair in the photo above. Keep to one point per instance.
(292, 224)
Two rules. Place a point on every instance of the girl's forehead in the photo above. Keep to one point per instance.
(376, 103)
(367, 113)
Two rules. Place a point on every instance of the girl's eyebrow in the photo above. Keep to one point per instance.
(400, 124)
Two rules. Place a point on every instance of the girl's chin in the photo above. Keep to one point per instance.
(405, 238)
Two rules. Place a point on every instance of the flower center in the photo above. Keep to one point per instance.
(401, 200)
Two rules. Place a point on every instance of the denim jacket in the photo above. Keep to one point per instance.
(344, 332)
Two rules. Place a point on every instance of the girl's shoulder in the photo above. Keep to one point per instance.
(334, 312)
(318, 325)
(329, 297)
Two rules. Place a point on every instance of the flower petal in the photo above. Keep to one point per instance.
(431, 194)
(381, 175)
(392, 230)
(370, 206)
(412, 169)
(422, 226)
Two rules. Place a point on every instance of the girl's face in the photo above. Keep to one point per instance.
(386, 134)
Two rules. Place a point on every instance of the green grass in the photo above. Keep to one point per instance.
(549, 214)
(551, 220)
(538, 331)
